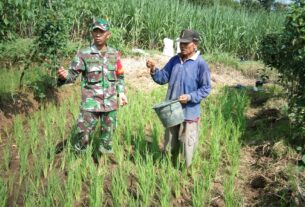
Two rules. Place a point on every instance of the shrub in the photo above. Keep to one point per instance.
(286, 52)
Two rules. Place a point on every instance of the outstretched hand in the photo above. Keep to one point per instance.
(62, 73)
(151, 64)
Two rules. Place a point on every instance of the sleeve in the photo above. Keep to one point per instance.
(204, 86)
(120, 87)
(162, 76)
(76, 67)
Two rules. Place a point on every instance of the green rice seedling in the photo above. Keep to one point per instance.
(230, 193)
(232, 107)
(6, 157)
(18, 131)
(33, 133)
(37, 168)
(61, 122)
(157, 132)
(119, 152)
(232, 146)
(3, 193)
(7, 151)
(200, 189)
(33, 196)
(215, 149)
(96, 185)
(178, 179)
(119, 186)
(23, 147)
(10, 184)
(46, 193)
(55, 193)
(23, 154)
(146, 175)
(74, 181)
(164, 184)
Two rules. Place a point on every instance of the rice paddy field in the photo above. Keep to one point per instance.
(141, 175)
(246, 155)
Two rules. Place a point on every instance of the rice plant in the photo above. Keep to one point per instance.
(68, 179)
(3, 193)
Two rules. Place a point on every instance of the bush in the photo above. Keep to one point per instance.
(16, 51)
(116, 41)
(286, 52)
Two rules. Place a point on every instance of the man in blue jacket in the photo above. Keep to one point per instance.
(188, 78)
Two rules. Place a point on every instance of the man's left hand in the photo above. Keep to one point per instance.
(122, 99)
(184, 98)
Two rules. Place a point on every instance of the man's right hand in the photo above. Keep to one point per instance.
(151, 64)
(62, 73)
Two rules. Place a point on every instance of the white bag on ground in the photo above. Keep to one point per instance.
(168, 49)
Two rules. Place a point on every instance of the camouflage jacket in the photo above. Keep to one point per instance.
(102, 78)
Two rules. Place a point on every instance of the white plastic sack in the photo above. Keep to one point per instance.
(178, 46)
(168, 49)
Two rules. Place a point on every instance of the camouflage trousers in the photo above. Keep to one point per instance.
(86, 124)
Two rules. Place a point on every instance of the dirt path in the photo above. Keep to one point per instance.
(137, 75)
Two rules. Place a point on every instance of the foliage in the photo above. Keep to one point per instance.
(116, 40)
(17, 51)
(17, 18)
(52, 35)
(301, 151)
(52, 38)
(286, 52)
(144, 23)
(267, 4)
(230, 3)
(251, 5)
(280, 6)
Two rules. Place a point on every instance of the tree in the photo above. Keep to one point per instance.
(51, 39)
(286, 52)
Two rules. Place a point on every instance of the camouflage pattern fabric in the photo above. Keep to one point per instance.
(102, 78)
(86, 123)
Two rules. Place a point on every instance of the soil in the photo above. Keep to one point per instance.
(262, 178)
(138, 77)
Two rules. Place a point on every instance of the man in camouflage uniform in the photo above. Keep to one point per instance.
(102, 88)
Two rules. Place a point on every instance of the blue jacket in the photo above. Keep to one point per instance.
(191, 77)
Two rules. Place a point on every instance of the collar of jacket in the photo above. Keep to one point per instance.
(95, 50)
(194, 57)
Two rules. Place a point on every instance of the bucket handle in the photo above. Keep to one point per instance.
(173, 101)
(169, 102)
